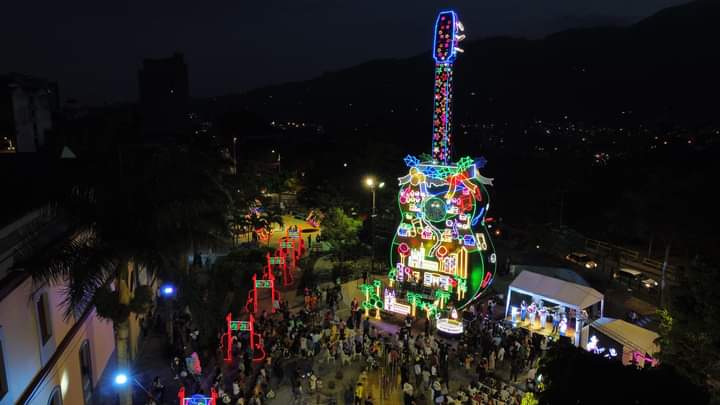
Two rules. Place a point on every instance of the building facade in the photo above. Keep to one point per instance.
(26, 108)
(44, 357)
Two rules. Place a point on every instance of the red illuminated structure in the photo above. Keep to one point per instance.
(280, 260)
(242, 326)
(268, 282)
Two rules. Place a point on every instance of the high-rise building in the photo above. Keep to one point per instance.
(26, 108)
(163, 91)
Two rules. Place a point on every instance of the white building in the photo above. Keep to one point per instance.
(44, 358)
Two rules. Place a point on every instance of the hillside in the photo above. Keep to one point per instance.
(661, 68)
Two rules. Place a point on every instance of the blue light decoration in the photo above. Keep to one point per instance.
(441, 257)
(411, 161)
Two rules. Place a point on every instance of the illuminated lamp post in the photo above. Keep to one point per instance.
(370, 182)
(235, 153)
(168, 292)
(122, 378)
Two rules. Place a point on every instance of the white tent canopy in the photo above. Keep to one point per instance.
(629, 335)
(555, 290)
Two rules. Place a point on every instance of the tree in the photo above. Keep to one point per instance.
(690, 327)
(140, 208)
(341, 232)
(574, 376)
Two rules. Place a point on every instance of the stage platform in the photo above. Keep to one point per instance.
(545, 330)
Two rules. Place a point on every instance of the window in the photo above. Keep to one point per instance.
(3, 375)
(55, 397)
(43, 318)
(86, 371)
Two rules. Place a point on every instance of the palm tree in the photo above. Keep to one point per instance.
(127, 212)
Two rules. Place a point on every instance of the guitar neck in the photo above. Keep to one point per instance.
(442, 113)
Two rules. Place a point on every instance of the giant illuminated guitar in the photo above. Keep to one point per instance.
(441, 256)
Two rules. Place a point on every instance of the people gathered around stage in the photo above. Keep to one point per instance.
(414, 362)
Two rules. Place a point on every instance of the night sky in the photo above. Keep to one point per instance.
(94, 48)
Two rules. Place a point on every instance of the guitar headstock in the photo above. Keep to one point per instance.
(448, 33)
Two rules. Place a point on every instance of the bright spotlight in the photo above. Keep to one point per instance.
(121, 379)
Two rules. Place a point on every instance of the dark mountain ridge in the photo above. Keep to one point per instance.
(663, 69)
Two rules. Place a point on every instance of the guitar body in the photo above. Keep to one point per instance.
(441, 252)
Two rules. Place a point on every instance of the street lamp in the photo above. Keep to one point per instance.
(235, 153)
(122, 378)
(168, 290)
(371, 182)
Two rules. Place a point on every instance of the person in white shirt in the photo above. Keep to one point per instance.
(408, 389)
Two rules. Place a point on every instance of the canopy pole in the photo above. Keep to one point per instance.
(507, 304)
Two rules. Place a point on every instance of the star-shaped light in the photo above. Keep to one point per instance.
(411, 161)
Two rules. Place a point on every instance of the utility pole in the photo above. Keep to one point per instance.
(372, 234)
(235, 154)
(370, 182)
(664, 270)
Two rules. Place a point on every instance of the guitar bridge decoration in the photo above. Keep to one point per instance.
(441, 257)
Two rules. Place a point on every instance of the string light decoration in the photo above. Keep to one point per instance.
(441, 257)
(448, 33)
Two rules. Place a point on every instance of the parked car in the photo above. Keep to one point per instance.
(631, 277)
(582, 259)
(650, 283)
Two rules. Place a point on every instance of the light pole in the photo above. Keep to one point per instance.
(370, 182)
(235, 153)
(168, 292)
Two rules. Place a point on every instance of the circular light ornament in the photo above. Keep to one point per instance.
(403, 249)
(435, 209)
(442, 252)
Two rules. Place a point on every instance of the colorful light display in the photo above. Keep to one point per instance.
(441, 256)
(448, 32)
(198, 399)
(442, 249)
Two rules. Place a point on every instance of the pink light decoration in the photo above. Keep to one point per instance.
(486, 280)
(403, 249)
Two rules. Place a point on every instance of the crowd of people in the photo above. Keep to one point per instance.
(413, 361)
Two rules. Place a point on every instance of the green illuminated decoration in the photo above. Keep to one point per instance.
(263, 283)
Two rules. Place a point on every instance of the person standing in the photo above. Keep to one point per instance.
(408, 397)
(359, 393)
